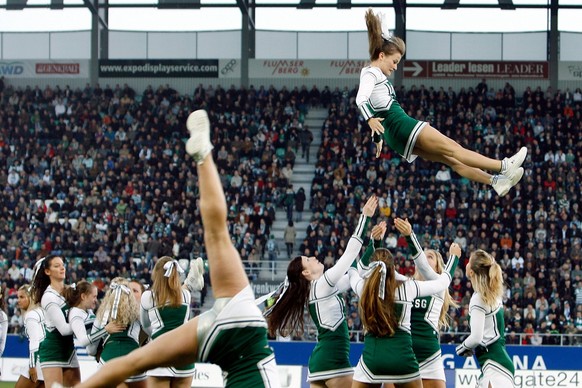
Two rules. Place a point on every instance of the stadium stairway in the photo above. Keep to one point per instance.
(303, 173)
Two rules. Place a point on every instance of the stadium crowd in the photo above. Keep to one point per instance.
(100, 176)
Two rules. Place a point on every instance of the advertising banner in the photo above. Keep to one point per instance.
(350, 69)
(476, 69)
(160, 68)
(467, 378)
(570, 71)
(309, 68)
(44, 69)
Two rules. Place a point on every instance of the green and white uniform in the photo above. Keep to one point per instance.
(82, 324)
(233, 335)
(376, 98)
(120, 344)
(57, 350)
(330, 357)
(158, 320)
(488, 341)
(34, 329)
(391, 359)
(425, 316)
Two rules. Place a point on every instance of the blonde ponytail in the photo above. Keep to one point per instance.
(376, 42)
(488, 279)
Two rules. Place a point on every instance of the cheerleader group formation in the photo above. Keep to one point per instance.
(56, 314)
(401, 316)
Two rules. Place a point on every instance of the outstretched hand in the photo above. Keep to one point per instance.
(376, 125)
(455, 250)
(379, 146)
(370, 207)
(403, 226)
(378, 231)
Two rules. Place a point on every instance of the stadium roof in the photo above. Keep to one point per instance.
(306, 4)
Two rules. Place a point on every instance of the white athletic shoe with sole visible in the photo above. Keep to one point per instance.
(195, 279)
(502, 184)
(198, 145)
(512, 164)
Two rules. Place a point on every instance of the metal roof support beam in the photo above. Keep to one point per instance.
(506, 4)
(179, 4)
(344, 4)
(400, 31)
(93, 7)
(306, 4)
(248, 38)
(451, 4)
(553, 39)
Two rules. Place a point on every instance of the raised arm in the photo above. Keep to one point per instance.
(420, 260)
(335, 273)
(430, 287)
(376, 237)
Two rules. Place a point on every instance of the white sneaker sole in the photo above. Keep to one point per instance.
(506, 183)
(199, 127)
(517, 160)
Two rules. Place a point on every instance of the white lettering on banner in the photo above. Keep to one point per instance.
(538, 363)
(305, 69)
(525, 378)
(448, 360)
(448, 67)
(348, 67)
(519, 362)
(283, 66)
(470, 363)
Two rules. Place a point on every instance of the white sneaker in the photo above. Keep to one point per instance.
(512, 164)
(502, 184)
(199, 145)
(195, 279)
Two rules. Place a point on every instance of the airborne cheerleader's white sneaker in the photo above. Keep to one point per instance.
(511, 165)
(198, 145)
(502, 184)
(195, 279)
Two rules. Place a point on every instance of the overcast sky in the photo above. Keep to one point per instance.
(326, 19)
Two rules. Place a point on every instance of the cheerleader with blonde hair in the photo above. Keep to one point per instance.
(120, 307)
(429, 313)
(487, 340)
(34, 330)
(82, 298)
